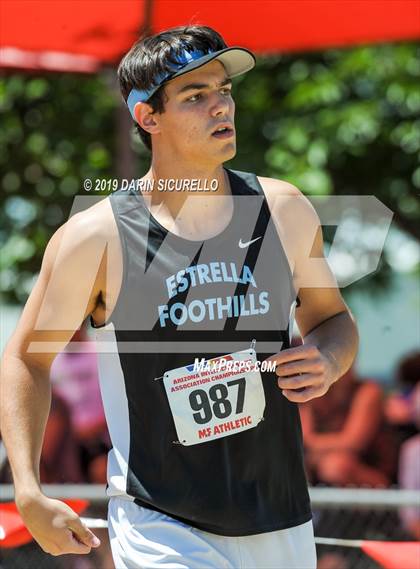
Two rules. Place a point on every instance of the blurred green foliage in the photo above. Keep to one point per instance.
(334, 122)
(57, 130)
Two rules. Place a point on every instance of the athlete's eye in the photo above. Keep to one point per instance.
(226, 91)
(194, 98)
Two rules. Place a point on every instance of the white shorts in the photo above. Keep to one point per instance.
(143, 538)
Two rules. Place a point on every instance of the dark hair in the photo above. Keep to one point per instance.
(408, 371)
(152, 56)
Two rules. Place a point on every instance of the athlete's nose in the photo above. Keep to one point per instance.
(220, 105)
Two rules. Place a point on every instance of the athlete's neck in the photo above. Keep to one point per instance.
(195, 180)
(171, 206)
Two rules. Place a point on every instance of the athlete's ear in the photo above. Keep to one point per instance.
(146, 118)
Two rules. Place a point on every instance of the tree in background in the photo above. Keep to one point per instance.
(338, 122)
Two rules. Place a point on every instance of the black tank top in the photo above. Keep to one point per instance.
(181, 300)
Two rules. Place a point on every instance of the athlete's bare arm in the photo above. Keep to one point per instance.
(71, 285)
(327, 327)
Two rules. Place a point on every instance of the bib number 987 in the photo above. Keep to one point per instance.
(217, 401)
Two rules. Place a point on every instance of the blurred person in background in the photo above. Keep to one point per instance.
(402, 411)
(409, 468)
(345, 439)
(399, 405)
(74, 376)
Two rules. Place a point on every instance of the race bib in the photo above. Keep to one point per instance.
(223, 398)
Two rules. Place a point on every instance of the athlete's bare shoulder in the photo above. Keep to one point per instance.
(91, 230)
(283, 197)
(272, 186)
(92, 234)
(94, 222)
(293, 215)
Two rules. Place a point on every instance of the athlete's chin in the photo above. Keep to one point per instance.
(230, 155)
(228, 151)
(221, 154)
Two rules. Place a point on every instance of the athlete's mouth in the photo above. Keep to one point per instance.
(223, 131)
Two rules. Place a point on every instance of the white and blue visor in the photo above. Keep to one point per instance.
(236, 60)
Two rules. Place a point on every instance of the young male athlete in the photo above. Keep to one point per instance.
(206, 468)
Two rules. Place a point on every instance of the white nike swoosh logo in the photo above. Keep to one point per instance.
(243, 245)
